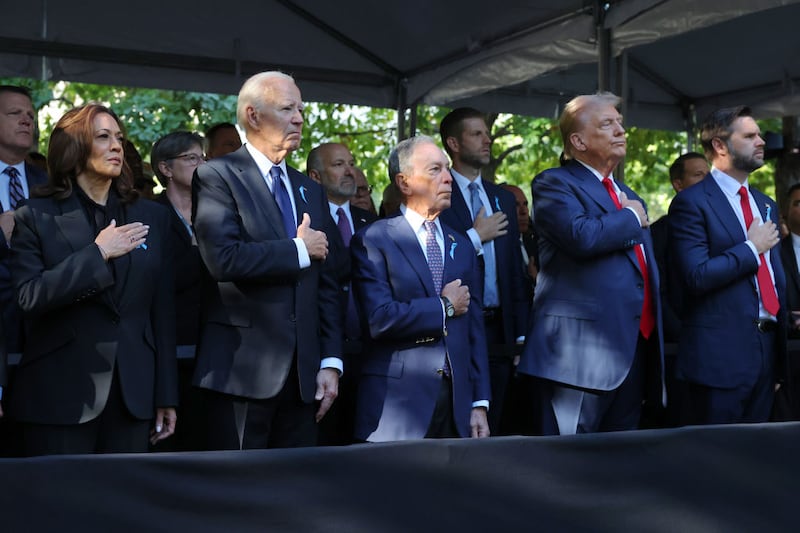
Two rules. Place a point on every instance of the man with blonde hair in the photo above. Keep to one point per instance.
(596, 327)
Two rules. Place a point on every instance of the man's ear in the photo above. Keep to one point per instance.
(314, 175)
(401, 180)
(453, 144)
(577, 142)
(720, 146)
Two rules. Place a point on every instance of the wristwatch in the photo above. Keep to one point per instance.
(449, 309)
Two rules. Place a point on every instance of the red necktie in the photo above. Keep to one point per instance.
(765, 286)
(648, 320)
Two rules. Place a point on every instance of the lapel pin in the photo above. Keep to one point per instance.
(303, 194)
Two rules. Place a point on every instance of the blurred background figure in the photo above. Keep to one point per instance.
(363, 196)
(390, 201)
(221, 139)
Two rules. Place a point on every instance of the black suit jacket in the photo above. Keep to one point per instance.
(508, 256)
(189, 271)
(83, 322)
(792, 276)
(670, 302)
(260, 308)
(352, 329)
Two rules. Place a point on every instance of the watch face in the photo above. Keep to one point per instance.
(451, 311)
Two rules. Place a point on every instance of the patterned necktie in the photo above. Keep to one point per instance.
(435, 262)
(15, 192)
(648, 320)
(769, 298)
(284, 203)
(344, 226)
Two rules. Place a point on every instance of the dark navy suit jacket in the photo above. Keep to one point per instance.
(717, 274)
(403, 316)
(590, 289)
(508, 257)
(260, 308)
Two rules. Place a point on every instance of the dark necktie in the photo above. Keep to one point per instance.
(284, 203)
(769, 298)
(344, 226)
(648, 320)
(434, 256)
(15, 192)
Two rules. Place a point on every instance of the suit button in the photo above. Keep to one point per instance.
(115, 321)
(638, 318)
(640, 285)
(292, 317)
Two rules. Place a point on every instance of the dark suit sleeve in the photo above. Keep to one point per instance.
(227, 250)
(700, 269)
(389, 316)
(43, 287)
(479, 356)
(162, 317)
(563, 219)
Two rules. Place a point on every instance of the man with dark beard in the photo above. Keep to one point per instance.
(732, 347)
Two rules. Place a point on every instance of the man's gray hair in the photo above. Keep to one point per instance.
(399, 158)
(252, 93)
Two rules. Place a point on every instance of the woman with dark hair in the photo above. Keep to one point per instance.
(174, 158)
(88, 263)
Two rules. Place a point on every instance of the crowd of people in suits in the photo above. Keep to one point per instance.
(313, 318)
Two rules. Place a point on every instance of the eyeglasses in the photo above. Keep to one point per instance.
(192, 159)
(364, 189)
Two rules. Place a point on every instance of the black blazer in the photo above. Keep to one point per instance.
(260, 308)
(83, 323)
(189, 271)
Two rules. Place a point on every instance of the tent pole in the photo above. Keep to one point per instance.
(603, 47)
(412, 124)
(401, 109)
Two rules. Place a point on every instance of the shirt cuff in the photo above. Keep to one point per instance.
(476, 240)
(521, 339)
(481, 403)
(1, 392)
(753, 248)
(332, 362)
(302, 253)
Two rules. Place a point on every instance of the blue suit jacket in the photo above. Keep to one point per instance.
(508, 257)
(402, 315)
(716, 271)
(260, 309)
(590, 289)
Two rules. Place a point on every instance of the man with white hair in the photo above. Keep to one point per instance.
(270, 340)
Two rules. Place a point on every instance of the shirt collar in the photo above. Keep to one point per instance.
(729, 185)
(463, 181)
(596, 173)
(334, 208)
(263, 162)
(416, 220)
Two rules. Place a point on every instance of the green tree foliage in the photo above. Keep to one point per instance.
(523, 146)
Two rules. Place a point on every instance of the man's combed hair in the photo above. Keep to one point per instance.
(719, 124)
(573, 116)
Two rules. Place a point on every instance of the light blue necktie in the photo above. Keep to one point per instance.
(490, 298)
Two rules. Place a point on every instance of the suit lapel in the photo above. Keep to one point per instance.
(722, 209)
(299, 192)
(460, 208)
(592, 186)
(250, 177)
(401, 233)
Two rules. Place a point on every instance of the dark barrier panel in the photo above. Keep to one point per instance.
(709, 479)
